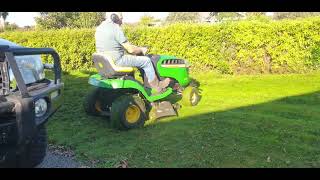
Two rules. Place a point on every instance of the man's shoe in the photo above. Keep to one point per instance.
(159, 86)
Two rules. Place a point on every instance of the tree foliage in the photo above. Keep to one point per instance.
(183, 17)
(3, 17)
(231, 16)
(57, 20)
(146, 20)
(227, 15)
(293, 15)
(10, 26)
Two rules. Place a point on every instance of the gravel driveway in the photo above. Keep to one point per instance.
(59, 157)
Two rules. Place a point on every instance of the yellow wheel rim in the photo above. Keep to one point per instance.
(97, 105)
(193, 98)
(132, 114)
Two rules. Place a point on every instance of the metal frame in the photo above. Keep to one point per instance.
(10, 54)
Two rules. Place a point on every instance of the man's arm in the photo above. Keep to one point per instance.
(132, 49)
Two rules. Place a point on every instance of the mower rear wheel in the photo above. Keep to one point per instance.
(190, 96)
(98, 101)
(128, 112)
(92, 104)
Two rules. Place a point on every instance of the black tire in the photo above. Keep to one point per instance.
(90, 102)
(99, 100)
(36, 150)
(120, 112)
(190, 96)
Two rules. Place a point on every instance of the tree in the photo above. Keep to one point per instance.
(11, 27)
(3, 17)
(147, 20)
(54, 20)
(261, 16)
(255, 13)
(220, 16)
(293, 15)
(183, 17)
(88, 19)
(28, 28)
(57, 20)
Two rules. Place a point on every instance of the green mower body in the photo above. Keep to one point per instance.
(178, 69)
(98, 81)
(166, 66)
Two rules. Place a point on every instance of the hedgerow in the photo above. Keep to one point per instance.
(243, 47)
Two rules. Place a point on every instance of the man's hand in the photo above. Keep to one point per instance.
(144, 50)
(132, 49)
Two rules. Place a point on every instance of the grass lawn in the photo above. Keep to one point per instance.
(241, 121)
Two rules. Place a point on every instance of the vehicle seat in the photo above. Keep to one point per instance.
(107, 68)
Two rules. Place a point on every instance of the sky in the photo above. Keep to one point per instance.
(27, 18)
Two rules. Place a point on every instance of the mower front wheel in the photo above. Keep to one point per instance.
(128, 112)
(190, 96)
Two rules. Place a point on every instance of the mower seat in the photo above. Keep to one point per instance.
(107, 68)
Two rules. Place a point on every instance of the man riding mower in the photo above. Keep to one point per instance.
(117, 93)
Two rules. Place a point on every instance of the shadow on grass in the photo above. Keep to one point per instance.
(279, 133)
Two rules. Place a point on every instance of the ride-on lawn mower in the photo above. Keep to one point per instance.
(128, 102)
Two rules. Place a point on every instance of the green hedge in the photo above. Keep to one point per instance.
(244, 47)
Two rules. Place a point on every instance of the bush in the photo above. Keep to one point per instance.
(243, 47)
(75, 47)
